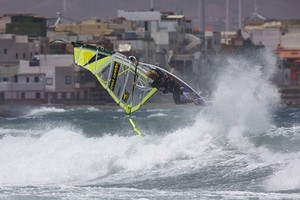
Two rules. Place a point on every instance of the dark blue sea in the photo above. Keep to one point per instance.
(244, 144)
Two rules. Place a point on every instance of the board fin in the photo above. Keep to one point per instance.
(134, 127)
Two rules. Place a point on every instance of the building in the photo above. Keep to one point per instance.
(290, 65)
(92, 27)
(26, 25)
(283, 38)
(30, 28)
(44, 79)
(288, 77)
(50, 79)
(170, 32)
(16, 87)
(21, 38)
(272, 33)
(131, 44)
(16, 47)
(237, 45)
(6, 19)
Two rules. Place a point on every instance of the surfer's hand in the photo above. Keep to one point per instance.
(133, 84)
(132, 59)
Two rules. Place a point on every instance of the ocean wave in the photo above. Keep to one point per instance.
(45, 110)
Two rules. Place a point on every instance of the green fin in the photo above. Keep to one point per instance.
(134, 128)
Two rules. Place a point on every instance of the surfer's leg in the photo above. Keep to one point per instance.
(176, 97)
(180, 98)
(185, 99)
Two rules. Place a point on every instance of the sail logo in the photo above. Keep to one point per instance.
(125, 96)
(114, 76)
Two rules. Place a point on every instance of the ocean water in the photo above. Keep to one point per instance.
(243, 145)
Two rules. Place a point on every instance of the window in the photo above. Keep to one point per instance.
(36, 79)
(24, 55)
(38, 95)
(15, 78)
(5, 51)
(49, 81)
(17, 56)
(68, 95)
(27, 79)
(68, 80)
(22, 95)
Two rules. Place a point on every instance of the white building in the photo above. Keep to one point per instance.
(16, 47)
(273, 33)
(43, 79)
(168, 31)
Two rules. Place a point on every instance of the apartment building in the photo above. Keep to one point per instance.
(168, 31)
(44, 79)
(16, 47)
(272, 33)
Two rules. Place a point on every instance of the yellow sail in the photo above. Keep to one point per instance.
(115, 73)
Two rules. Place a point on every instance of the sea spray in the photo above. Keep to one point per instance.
(244, 101)
(244, 95)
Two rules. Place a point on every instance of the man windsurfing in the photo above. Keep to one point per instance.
(164, 83)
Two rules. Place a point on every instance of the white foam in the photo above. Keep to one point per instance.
(157, 115)
(244, 97)
(157, 110)
(7, 131)
(243, 103)
(62, 155)
(93, 109)
(45, 110)
(287, 177)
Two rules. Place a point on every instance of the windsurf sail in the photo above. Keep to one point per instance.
(116, 73)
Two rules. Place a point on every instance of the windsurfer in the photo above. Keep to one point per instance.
(164, 83)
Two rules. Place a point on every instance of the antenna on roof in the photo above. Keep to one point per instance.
(201, 10)
(227, 16)
(65, 8)
(255, 14)
(151, 5)
(240, 14)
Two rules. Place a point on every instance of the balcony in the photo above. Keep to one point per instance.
(8, 86)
